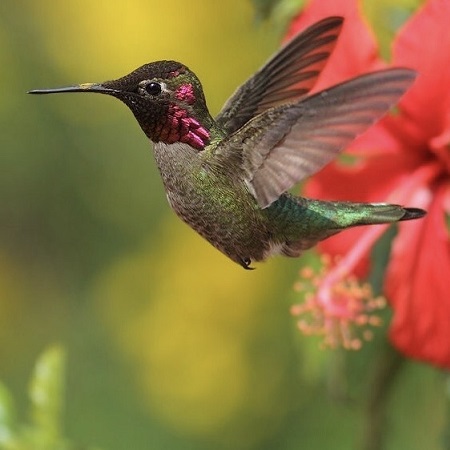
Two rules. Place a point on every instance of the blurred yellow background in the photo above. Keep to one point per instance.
(170, 345)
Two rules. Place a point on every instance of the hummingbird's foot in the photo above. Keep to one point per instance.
(245, 263)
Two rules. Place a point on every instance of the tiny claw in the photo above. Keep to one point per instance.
(245, 263)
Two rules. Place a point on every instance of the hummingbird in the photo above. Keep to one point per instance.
(229, 177)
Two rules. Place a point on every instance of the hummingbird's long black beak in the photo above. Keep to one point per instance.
(85, 87)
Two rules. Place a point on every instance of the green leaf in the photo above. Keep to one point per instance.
(386, 17)
(7, 415)
(46, 392)
(277, 11)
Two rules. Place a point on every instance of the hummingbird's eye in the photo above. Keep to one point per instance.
(153, 88)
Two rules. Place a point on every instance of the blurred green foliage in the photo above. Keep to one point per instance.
(278, 11)
(169, 344)
(46, 391)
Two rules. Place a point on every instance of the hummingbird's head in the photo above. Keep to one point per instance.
(165, 97)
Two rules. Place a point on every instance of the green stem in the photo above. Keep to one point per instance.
(386, 370)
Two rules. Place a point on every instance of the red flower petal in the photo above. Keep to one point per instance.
(356, 51)
(369, 180)
(423, 44)
(417, 285)
(403, 155)
(439, 145)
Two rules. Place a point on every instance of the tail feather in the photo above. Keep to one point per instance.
(315, 220)
(413, 213)
(379, 213)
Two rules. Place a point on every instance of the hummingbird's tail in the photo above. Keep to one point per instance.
(311, 221)
(413, 213)
(354, 214)
(329, 218)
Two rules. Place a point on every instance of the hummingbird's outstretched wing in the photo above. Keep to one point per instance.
(290, 74)
(287, 143)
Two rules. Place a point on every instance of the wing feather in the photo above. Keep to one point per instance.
(285, 144)
(290, 74)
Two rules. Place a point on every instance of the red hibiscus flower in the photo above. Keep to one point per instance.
(404, 159)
